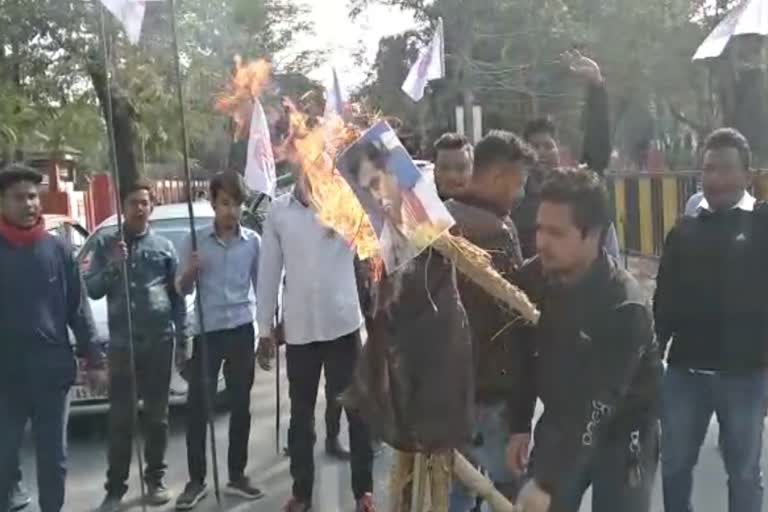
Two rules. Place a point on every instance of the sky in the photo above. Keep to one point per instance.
(334, 31)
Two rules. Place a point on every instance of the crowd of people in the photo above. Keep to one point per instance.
(620, 380)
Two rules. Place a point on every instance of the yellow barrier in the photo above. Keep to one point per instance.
(647, 205)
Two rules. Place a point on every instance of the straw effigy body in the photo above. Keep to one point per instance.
(421, 482)
(476, 265)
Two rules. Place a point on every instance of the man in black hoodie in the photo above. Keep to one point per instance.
(41, 297)
(710, 306)
(597, 366)
(481, 211)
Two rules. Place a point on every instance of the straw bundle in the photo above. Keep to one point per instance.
(475, 263)
(420, 482)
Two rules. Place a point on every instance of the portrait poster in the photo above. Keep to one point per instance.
(401, 202)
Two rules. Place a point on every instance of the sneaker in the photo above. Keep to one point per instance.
(112, 503)
(194, 492)
(365, 504)
(19, 498)
(297, 505)
(242, 487)
(334, 449)
(158, 494)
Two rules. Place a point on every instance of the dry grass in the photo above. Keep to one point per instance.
(475, 264)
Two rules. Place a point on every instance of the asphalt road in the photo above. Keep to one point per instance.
(87, 462)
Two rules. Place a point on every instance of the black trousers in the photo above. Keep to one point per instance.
(305, 363)
(234, 348)
(332, 413)
(153, 378)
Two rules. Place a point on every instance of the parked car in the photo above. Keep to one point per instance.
(66, 228)
(170, 221)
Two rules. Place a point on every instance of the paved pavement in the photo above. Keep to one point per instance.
(87, 459)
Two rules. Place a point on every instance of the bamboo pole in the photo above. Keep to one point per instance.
(479, 484)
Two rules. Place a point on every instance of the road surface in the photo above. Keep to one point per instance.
(87, 461)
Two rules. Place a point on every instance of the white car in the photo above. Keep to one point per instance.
(172, 222)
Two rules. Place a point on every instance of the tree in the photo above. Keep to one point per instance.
(503, 54)
(52, 70)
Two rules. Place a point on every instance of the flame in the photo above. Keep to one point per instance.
(248, 82)
(313, 147)
(315, 150)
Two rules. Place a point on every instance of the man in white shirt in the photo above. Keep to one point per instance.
(322, 320)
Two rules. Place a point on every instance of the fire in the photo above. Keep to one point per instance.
(248, 82)
(313, 150)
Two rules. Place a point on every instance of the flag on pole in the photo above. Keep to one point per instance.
(260, 166)
(335, 98)
(429, 66)
(749, 17)
(130, 13)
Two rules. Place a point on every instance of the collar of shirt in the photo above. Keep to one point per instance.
(746, 203)
(212, 233)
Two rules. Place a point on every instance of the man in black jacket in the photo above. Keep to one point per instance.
(596, 152)
(710, 304)
(159, 318)
(481, 211)
(41, 297)
(597, 366)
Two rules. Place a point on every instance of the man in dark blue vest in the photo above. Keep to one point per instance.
(41, 296)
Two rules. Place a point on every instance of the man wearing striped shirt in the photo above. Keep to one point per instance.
(322, 320)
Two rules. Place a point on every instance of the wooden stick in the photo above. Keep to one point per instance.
(418, 495)
(477, 482)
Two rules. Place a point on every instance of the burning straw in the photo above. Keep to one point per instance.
(475, 264)
(314, 146)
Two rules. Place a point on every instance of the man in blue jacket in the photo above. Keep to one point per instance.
(159, 315)
(41, 296)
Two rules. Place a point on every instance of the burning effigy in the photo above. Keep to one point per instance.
(413, 383)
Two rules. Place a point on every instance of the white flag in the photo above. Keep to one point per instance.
(335, 98)
(260, 167)
(130, 13)
(429, 66)
(749, 17)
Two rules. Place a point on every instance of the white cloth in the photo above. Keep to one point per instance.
(320, 300)
(130, 14)
(335, 97)
(749, 17)
(429, 66)
(260, 172)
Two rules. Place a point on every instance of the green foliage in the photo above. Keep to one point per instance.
(505, 54)
(46, 95)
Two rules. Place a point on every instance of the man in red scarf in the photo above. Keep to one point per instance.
(41, 297)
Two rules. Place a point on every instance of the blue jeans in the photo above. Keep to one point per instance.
(46, 405)
(492, 431)
(739, 401)
(608, 474)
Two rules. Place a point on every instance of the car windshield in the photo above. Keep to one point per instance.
(175, 230)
